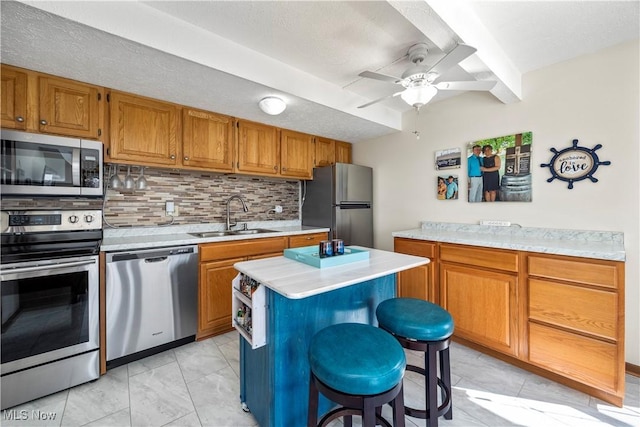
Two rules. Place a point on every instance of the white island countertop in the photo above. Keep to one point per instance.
(295, 280)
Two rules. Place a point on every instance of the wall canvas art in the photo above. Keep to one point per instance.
(447, 187)
(448, 159)
(499, 169)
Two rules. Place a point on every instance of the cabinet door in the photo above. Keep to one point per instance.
(214, 302)
(207, 140)
(419, 282)
(483, 304)
(325, 152)
(143, 130)
(258, 148)
(296, 154)
(14, 99)
(343, 152)
(69, 108)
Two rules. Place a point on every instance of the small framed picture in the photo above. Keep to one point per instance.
(448, 159)
(447, 187)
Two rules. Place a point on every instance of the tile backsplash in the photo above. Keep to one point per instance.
(199, 197)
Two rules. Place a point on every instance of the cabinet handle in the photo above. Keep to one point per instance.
(284, 169)
(275, 168)
(172, 157)
(20, 119)
(186, 158)
(43, 122)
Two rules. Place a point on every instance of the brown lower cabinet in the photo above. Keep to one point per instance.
(559, 316)
(216, 273)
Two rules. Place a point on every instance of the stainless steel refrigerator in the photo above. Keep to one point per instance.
(340, 197)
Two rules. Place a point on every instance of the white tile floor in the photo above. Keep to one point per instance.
(197, 385)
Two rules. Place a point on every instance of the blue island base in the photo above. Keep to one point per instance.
(274, 379)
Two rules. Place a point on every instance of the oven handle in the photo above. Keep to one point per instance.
(19, 270)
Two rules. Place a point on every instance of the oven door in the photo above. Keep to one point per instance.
(49, 311)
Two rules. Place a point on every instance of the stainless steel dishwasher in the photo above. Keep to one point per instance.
(151, 301)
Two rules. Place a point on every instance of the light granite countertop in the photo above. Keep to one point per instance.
(295, 280)
(605, 245)
(132, 238)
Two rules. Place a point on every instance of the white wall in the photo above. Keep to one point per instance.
(594, 98)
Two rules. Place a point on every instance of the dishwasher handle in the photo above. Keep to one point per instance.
(156, 259)
(156, 255)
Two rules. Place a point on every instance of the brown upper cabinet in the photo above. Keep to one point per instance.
(14, 98)
(258, 148)
(325, 152)
(143, 130)
(296, 154)
(207, 140)
(329, 152)
(343, 152)
(150, 132)
(266, 150)
(41, 103)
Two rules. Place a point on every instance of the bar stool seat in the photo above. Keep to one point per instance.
(424, 326)
(360, 367)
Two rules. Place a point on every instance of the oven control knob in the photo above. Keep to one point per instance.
(88, 218)
(73, 219)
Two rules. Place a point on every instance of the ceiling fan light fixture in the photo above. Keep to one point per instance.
(272, 105)
(417, 96)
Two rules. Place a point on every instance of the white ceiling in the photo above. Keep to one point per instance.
(224, 56)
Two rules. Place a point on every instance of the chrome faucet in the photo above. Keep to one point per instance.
(244, 208)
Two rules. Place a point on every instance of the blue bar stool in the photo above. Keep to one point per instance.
(423, 326)
(359, 367)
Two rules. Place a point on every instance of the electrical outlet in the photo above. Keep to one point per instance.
(278, 209)
(170, 208)
(495, 222)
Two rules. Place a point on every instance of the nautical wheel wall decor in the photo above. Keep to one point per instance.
(574, 164)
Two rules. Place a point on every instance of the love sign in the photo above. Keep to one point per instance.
(574, 164)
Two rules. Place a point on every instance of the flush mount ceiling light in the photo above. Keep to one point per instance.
(272, 105)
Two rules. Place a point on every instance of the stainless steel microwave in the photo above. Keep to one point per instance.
(44, 165)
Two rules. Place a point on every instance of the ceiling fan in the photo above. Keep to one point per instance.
(419, 80)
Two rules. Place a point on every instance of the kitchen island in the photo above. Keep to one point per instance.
(300, 300)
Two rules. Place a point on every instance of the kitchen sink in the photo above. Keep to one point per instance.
(231, 233)
(213, 234)
(253, 231)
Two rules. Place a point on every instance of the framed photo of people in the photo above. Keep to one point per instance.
(499, 169)
(447, 187)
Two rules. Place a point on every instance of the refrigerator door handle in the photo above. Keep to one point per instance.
(354, 205)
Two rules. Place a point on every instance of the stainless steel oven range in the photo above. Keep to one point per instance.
(50, 279)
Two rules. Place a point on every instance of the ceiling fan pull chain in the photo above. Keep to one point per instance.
(415, 132)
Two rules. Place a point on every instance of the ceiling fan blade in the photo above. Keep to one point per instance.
(380, 99)
(451, 59)
(473, 85)
(378, 76)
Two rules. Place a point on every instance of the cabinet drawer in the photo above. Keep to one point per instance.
(414, 247)
(582, 309)
(594, 272)
(241, 248)
(306, 240)
(481, 257)
(583, 359)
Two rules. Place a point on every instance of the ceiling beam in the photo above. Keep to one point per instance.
(142, 24)
(446, 23)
